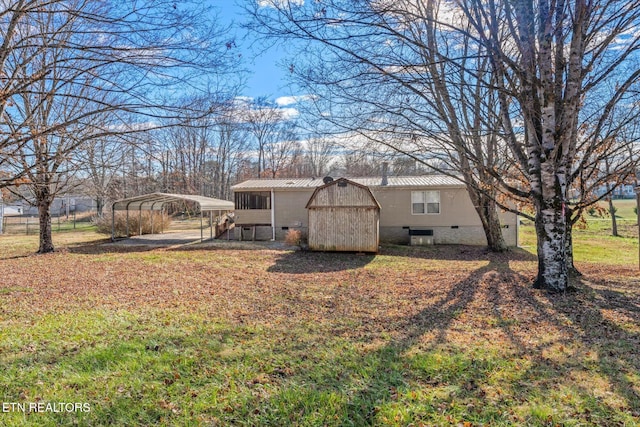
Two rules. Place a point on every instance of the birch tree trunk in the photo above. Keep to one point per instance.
(552, 260)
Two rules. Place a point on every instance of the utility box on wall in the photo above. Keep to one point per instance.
(421, 240)
(420, 237)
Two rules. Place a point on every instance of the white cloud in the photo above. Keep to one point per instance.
(290, 113)
(288, 100)
(280, 3)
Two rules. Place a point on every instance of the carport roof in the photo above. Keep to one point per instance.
(155, 201)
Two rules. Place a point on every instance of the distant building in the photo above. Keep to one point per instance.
(61, 206)
(625, 191)
(11, 210)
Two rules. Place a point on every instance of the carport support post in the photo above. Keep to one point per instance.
(140, 220)
(273, 217)
(201, 225)
(211, 225)
(127, 220)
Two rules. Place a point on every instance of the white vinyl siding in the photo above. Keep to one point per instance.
(425, 202)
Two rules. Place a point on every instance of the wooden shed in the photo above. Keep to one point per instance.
(343, 216)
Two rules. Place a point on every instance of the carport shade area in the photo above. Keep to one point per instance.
(157, 202)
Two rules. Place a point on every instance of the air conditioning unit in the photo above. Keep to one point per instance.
(421, 240)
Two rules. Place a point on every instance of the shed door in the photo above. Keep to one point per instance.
(343, 229)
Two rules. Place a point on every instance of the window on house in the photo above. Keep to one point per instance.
(253, 200)
(425, 202)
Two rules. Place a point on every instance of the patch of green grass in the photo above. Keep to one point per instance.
(21, 245)
(624, 208)
(594, 243)
(169, 367)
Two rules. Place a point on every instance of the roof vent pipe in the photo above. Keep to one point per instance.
(385, 166)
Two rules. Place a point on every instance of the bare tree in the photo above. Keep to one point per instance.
(540, 61)
(319, 148)
(377, 71)
(319, 153)
(202, 153)
(550, 60)
(190, 140)
(68, 64)
(100, 162)
(283, 149)
(46, 159)
(12, 80)
(270, 128)
(230, 151)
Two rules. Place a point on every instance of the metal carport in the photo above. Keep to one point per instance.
(157, 201)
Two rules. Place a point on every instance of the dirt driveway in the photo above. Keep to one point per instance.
(192, 237)
(165, 239)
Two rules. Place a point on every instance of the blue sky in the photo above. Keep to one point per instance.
(266, 77)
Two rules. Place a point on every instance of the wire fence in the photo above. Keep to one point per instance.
(30, 224)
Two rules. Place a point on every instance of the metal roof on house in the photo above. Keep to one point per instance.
(312, 183)
(412, 181)
(267, 183)
(155, 201)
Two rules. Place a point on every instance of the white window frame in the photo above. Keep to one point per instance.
(424, 197)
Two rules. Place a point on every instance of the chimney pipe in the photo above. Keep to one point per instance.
(385, 166)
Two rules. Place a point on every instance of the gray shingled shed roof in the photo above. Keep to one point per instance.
(155, 201)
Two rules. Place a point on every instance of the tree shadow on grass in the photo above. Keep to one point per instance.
(100, 248)
(534, 370)
(372, 379)
(457, 253)
(608, 323)
(302, 262)
(583, 344)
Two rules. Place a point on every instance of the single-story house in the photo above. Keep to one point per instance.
(428, 209)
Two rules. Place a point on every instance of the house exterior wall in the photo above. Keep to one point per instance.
(252, 216)
(241, 232)
(291, 211)
(457, 222)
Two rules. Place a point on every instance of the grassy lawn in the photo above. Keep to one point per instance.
(27, 226)
(223, 335)
(593, 242)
